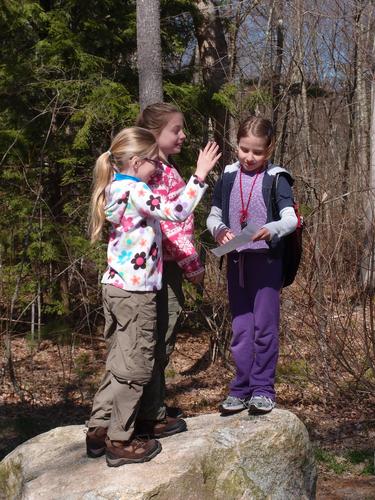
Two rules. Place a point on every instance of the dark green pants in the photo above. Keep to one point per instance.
(169, 302)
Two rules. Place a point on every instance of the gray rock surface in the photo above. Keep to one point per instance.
(236, 457)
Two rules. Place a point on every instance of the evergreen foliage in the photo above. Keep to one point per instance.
(68, 83)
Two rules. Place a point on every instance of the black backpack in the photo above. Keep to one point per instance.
(292, 242)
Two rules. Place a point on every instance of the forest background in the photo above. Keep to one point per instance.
(70, 80)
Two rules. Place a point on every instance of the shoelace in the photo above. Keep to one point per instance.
(234, 399)
(138, 443)
(265, 400)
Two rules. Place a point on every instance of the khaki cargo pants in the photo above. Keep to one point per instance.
(130, 334)
(170, 300)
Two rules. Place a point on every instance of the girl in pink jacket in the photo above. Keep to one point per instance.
(180, 257)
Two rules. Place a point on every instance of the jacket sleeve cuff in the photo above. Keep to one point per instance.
(191, 274)
(215, 223)
(286, 225)
(191, 265)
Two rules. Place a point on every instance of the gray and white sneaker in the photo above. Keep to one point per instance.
(260, 404)
(232, 404)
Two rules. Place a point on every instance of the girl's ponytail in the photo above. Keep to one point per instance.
(103, 173)
(129, 142)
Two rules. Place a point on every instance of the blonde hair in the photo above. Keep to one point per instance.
(155, 116)
(129, 142)
(259, 127)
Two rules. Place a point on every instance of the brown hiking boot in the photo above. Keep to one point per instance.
(134, 451)
(95, 441)
(159, 429)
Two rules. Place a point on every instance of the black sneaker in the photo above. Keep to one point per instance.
(160, 428)
(174, 412)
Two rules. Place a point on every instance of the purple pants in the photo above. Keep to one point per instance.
(255, 308)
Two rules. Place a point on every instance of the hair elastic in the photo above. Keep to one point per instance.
(112, 160)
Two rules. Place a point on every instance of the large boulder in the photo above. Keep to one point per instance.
(236, 457)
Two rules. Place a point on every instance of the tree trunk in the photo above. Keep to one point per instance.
(276, 78)
(367, 261)
(32, 329)
(149, 52)
(367, 265)
(302, 103)
(213, 52)
(263, 68)
(39, 302)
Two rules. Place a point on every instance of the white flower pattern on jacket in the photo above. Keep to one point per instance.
(135, 259)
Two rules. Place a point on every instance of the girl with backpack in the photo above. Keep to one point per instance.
(242, 195)
(130, 283)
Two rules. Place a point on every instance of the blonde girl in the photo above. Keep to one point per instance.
(130, 283)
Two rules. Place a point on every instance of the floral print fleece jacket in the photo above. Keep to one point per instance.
(135, 260)
(178, 237)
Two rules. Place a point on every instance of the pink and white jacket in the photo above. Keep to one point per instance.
(178, 237)
(135, 259)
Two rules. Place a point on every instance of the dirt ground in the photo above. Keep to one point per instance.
(58, 383)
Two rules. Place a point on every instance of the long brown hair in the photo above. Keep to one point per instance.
(129, 142)
(155, 116)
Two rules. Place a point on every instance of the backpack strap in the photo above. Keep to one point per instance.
(275, 182)
(275, 212)
(291, 256)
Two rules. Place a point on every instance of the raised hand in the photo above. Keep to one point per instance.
(207, 159)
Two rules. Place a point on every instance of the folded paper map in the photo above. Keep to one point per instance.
(244, 237)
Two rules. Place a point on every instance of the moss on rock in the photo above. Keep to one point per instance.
(11, 480)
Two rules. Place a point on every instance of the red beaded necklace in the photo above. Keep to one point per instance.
(244, 214)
